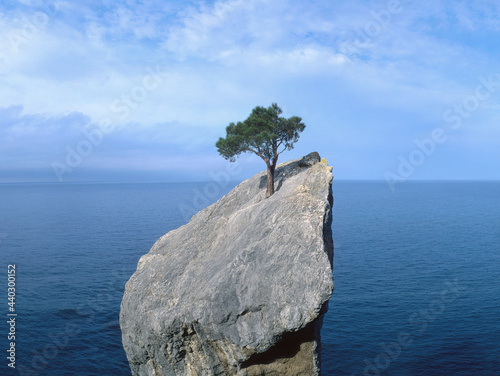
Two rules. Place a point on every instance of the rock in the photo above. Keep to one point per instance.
(309, 159)
(242, 288)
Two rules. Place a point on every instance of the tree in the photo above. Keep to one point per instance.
(264, 133)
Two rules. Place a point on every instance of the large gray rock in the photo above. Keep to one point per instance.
(242, 288)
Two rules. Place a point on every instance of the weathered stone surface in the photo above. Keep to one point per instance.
(309, 159)
(242, 288)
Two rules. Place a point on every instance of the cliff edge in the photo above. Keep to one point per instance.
(242, 288)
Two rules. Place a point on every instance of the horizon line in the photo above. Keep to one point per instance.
(229, 182)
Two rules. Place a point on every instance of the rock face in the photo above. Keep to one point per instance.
(242, 288)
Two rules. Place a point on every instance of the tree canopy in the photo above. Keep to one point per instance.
(264, 133)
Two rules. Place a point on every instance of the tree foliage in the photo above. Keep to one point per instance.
(264, 133)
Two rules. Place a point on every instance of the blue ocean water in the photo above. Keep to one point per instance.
(416, 274)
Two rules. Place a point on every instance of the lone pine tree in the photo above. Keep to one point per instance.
(264, 133)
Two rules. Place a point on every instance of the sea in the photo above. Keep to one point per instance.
(416, 271)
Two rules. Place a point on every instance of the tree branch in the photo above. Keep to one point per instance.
(258, 152)
(281, 151)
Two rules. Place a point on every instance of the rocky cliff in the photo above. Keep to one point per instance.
(242, 288)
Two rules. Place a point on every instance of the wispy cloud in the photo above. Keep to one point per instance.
(36, 141)
(362, 74)
(250, 33)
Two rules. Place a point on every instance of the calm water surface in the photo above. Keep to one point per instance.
(416, 274)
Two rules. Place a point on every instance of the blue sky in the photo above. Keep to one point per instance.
(140, 91)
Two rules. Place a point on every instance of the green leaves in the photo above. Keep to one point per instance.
(264, 133)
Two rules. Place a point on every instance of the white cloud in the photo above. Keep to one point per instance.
(221, 58)
(36, 141)
(249, 33)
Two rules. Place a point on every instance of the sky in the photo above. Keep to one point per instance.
(136, 90)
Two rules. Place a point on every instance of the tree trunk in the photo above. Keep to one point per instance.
(270, 180)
